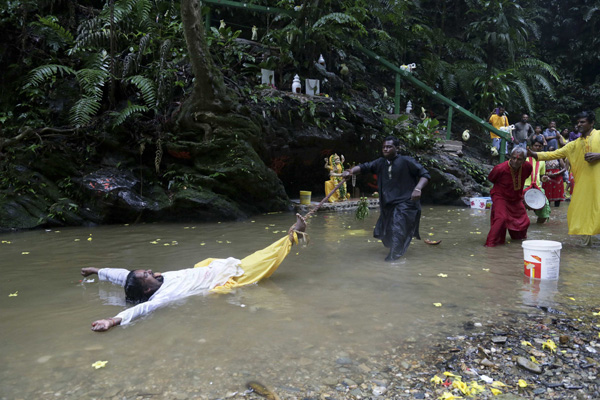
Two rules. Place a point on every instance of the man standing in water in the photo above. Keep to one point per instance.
(150, 290)
(508, 211)
(583, 154)
(400, 181)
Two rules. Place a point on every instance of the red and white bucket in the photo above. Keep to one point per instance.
(541, 259)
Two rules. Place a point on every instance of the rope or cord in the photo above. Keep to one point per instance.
(314, 210)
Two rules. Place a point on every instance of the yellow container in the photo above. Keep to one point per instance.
(305, 197)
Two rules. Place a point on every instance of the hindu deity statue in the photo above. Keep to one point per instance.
(335, 165)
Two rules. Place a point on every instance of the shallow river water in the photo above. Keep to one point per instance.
(332, 301)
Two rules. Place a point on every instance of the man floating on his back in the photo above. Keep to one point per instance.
(150, 290)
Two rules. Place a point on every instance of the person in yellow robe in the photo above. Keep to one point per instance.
(583, 154)
(498, 120)
(335, 165)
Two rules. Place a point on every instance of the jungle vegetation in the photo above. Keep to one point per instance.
(147, 70)
(66, 64)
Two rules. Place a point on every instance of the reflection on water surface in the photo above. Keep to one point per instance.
(333, 301)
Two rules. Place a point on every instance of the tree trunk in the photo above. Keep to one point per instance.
(210, 93)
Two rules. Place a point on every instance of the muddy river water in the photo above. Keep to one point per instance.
(333, 300)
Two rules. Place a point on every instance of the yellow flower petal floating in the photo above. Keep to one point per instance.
(498, 384)
(486, 269)
(76, 240)
(595, 314)
(522, 383)
(448, 396)
(495, 392)
(526, 343)
(24, 252)
(461, 386)
(534, 360)
(89, 239)
(15, 294)
(438, 305)
(442, 275)
(572, 298)
(549, 344)
(99, 364)
(476, 388)
(437, 380)
(430, 234)
(447, 373)
(154, 242)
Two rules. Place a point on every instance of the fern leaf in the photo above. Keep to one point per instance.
(144, 41)
(525, 93)
(130, 110)
(146, 86)
(83, 110)
(38, 75)
(51, 22)
(92, 81)
(339, 19)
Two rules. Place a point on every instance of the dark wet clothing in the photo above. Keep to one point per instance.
(400, 216)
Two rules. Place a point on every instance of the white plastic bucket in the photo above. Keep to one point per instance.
(541, 259)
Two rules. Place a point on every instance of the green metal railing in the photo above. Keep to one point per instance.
(400, 73)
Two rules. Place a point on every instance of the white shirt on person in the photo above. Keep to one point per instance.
(176, 285)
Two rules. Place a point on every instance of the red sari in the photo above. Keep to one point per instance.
(555, 188)
(508, 210)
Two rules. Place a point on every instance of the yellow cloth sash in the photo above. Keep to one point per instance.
(259, 265)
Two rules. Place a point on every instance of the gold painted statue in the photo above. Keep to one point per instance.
(335, 165)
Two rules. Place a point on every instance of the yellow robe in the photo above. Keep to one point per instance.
(584, 211)
(259, 265)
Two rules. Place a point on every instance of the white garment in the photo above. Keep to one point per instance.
(176, 285)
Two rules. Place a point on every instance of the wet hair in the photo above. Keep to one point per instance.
(134, 290)
(520, 150)
(590, 116)
(394, 140)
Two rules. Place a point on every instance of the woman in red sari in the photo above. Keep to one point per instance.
(508, 210)
(555, 188)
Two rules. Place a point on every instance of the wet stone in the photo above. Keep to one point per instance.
(499, 339)
(356, 393)
(343, 361)
(349, 383)
(330, 381)
(529, 365)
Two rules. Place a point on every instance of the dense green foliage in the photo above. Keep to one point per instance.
(68, 62)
